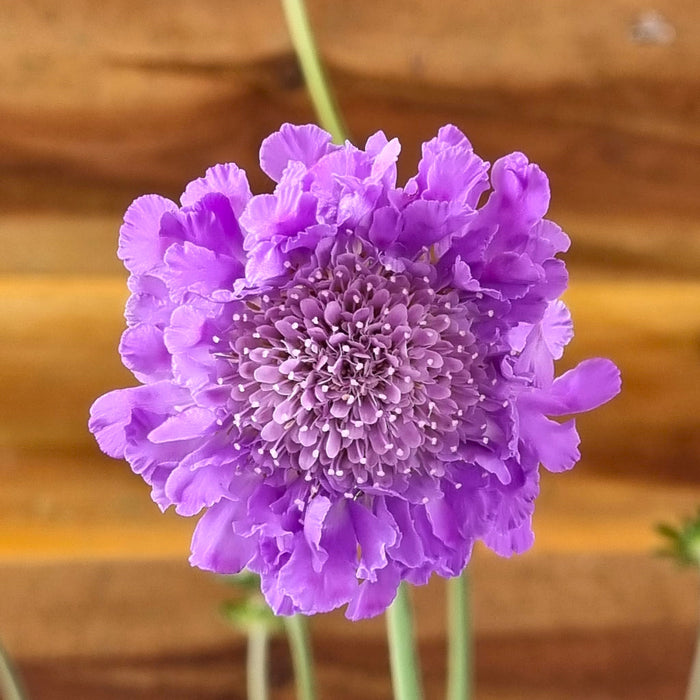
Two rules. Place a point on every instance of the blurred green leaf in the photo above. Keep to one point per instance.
(682, 543)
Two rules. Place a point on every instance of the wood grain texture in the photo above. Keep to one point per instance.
(99, 104)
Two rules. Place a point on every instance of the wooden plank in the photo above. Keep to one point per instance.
(58, 352)
(75, 243)
(573, 626)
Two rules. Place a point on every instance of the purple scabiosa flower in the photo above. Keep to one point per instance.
(354, 381)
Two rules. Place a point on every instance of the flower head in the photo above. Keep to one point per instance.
(353, 380)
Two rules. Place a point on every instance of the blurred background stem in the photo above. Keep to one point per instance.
(694, 682)
(460, 644)
(256, 668)
(10, 683)
(405, 672)
(302, 658)
(329, 116)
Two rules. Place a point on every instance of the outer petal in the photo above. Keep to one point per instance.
(374, 597)
(141, 246)
(293, 143)
(227, 179)
(144, 353)
(215, 546)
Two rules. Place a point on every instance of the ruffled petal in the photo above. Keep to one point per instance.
(141, 246)
(227, 179)
(305, 143)
(215, 546)
(374, 597)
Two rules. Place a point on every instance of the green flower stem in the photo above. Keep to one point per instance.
(405, 675)
(10, 684)
(459, 662)
(256, 669)
(302, 658)
(316, 82)
(694, 683)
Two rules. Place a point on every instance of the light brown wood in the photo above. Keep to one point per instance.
(99, 104)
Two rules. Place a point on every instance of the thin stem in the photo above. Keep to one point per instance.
(302, 657)
(316, 81)
(459, 662)
(257, 662)
(694, 682)
(405, 673)
(10, 684)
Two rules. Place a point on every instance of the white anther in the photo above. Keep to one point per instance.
(390, 371)
(490, 313)
(399, 452)
(363, 460)
(392, 418)
(505, 404)
(257, 470)
(433, 426)
(345, 433)
(350, 399)
(458, 486)
(475, 355)
(379, 413)
(359, 366)
(314, 320)
(246, 351)
(429, 362)
(220, 381)
(261, 451)
(359, 324)
(381, 472)
(255, 403)
(325, 388)
(453, 449)
(425, 500)
(236, 446)
(389, 445)
(485, 440)
(407, 380)
(345, 348)
(462, 333)
(479, 295)
(482, 397)
(265, 353)
(266, 298)
(216, 338)
(470, 380)
(407, 335)
(219, 421)
(315, 454)
(290, 376)
(304, 429)
(448, 305)
(274, 454)
(241, 388)
(381, 397)
(256, 335)
(356, 299)
(386, 327)
(325, 428)
(295, 325)
(460, 348)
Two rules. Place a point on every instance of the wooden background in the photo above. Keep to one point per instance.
(100, 102)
